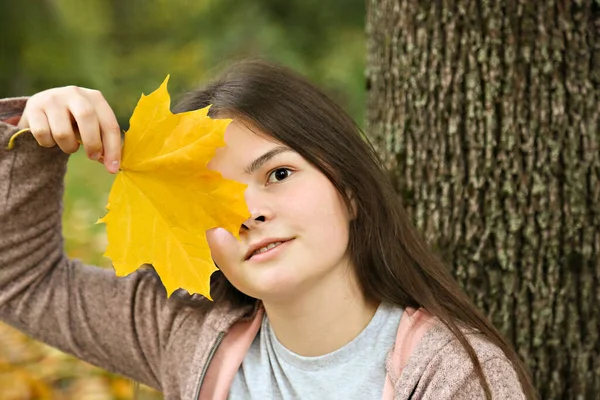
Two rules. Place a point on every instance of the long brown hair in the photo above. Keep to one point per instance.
(392, 262)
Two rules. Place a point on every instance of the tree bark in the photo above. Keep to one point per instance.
(486, 114)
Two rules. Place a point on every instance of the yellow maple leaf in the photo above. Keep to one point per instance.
(164, 198)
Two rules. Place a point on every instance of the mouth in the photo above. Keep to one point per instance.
(264, 246)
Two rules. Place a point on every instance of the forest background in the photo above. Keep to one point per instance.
(124, 49)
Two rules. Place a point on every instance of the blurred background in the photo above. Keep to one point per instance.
(124, 49)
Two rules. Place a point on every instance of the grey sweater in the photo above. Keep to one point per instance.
(128, 326)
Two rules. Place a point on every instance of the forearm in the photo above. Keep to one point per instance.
(84, 310)
(31, 188)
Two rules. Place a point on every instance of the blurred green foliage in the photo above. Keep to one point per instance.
(125, 48)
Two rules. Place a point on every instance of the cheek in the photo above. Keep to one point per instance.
(320, 212)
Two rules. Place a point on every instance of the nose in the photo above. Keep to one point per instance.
(253, 222)
(260, 205)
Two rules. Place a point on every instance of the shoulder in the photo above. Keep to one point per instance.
(439, 367)
(194, 334)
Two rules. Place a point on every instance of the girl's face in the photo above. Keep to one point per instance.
(297, 237)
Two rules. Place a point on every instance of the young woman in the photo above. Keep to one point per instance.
(330, 293)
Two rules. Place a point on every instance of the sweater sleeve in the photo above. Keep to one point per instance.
(120, 324)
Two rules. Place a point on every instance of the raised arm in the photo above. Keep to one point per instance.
(121, 324)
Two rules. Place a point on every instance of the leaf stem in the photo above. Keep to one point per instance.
(11, 141)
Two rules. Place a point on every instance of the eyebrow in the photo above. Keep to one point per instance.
(260, 161)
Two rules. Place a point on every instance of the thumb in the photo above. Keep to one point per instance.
(223, 245)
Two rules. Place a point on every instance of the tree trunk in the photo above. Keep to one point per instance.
(487, 115)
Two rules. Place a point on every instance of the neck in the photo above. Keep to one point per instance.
(323, 319)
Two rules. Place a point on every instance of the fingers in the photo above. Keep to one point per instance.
(63, 134)
(109, 130)
(84, 115)
(37, 122)
(70, 116)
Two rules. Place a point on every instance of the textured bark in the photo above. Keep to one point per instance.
(487, 115)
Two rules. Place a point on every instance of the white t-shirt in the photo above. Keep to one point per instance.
(356, 371)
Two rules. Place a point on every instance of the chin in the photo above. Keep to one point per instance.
(271, 288)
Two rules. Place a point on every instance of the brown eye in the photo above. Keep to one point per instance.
(279, 175)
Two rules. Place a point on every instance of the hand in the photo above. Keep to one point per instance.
(223, 247)
(70, 115)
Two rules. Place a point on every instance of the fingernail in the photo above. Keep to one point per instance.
(95, 156)
(114, 167)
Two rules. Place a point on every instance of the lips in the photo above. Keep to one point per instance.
(263, 246)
